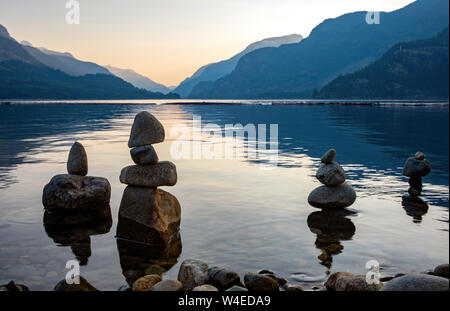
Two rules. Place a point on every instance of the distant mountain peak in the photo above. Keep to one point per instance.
(4, 32)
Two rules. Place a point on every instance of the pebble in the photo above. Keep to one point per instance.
(144, 155)
(145, 283)
(168, 286)
(193, 273)
(260, 283)
(329, 156)
(77, 164)
(146, 130)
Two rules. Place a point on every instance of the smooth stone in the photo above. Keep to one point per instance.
(330, 284)
(84, 286)
(222, 278)
(77, 164)
(442, 271)
(71, 192)
(145, 283)
(148, 215)
(359, 284)
(168, 286)
(193, 273)
(155, 175)
(332, 197)
(146, 130)
(236, 288)
(417, 282)
(292, 288)
(13, 287)
(329, 156)
(416, 168)
(260, 283)
(419, 155)
(205, 288)
(144, 155)
(331, 174)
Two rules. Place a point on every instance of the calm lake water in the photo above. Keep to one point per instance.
(233, 213)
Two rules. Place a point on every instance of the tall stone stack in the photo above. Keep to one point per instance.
(147, 214)
(335, 193)
(415, 168)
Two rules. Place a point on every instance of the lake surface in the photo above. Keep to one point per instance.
(234, 213)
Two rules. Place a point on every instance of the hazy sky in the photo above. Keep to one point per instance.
(168, 40)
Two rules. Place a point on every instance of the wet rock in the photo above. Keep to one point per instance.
(72, 192)
(292, 288)
(342, 283)
(155, 175)
(236, 288)
(329, 156)
(260, 283)
(417, 282)
(359, 284)
(442, 271)
(155, 269)
(281, 282)
(144, 155)
(193, 273)
(205, 288)
(332, 197)
(77, 164)
(146, 130)
(419, 155)
(416, 168)
(330, 284)
(84, 286)
(265, 272)
(331, 174)
(145, 283)
(13, 287)
(223, 278)
(149, 216)
(168, 286)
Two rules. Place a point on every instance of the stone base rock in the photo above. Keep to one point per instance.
(332, 197)
(148, 215)
(155, 175)
(71, 192)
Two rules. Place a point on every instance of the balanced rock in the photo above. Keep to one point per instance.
(145, 283)
(332, 197)
(155, 175)
(148, 215)
(73, 192)
(223, 278)
(416, 168)
(168, 286)
(144, 155)
(419, 155)
(77, 164)
(193, 273)
(331, 174)
(329, 156)
(417, 282)
(260, 283)
(146, 130)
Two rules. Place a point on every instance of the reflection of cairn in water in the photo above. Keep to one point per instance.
(75, 229)
(335, 193)
(149, 218)
(415, 168)
(331, 227)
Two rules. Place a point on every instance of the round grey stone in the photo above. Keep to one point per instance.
(329, 156)
(332, 197)
(222, 278)
(144, 155)
(416, 168)
(193, 273)
(146, 130)
(168, 286)
(331, 174)
(417, 282)
(77, 164)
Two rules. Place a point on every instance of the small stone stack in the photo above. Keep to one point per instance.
(416, 167)
(335, 193)
(148, 214)
(76, 192)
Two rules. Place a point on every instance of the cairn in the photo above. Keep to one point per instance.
(415, 168)
(147, 214)
(76, 192)
(335, 193)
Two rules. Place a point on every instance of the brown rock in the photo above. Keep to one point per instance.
(77, 164)
(145, 283)
(168, 286)
(260, 283)
(330, 284)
